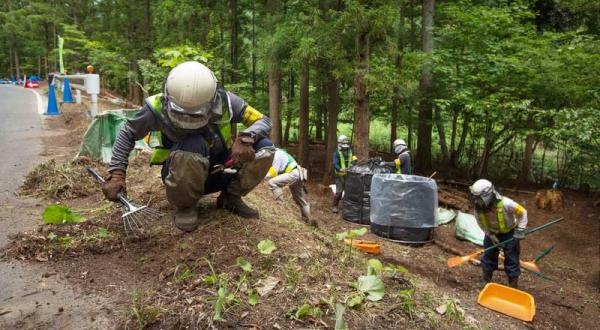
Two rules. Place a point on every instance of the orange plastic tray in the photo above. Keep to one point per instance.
(509, 301)
(366, 246)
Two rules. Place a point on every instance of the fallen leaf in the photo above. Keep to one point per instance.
(442, 309)
(41, 258)
(267, 285)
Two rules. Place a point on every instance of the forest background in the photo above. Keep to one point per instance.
(493, 88)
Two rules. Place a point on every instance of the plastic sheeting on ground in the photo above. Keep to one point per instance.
(403, 207)
(355, 203)
(101, 135)
(468, 229)
(444, 216)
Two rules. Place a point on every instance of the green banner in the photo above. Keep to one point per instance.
(60, 54)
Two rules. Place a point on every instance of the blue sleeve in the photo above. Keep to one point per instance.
(336, 161)
(405, 163)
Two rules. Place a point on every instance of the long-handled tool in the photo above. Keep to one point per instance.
(136, 216)
(532, 265)
(457, 261)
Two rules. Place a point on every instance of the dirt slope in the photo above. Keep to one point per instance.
(167, 279)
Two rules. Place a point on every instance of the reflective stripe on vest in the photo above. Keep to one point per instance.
(291, 165)
(160, 153)
(343, 162)
(483, 220)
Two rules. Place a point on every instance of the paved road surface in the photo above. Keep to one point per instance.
(28, 300)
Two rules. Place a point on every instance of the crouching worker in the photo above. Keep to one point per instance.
(190, 130)
(285, 171)
(500, 218)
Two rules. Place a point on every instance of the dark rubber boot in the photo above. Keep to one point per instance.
(486, 278)
(236, 205)
(187, 219)
(513, 282)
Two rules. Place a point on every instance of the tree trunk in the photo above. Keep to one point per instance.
(487, 146)
(303, 140)
(333, 105)
(442, 135)
(290, 100)
(11, 71)
(148, 27)
(253, 50)
(321, 106)
(455, 157)
(409, 124)
(235, 27)
(423, 159)
(394, 118)
(361, 96)
(413, 26)
(527, 151)
(398, 63)
(541, 179)
(274, 98)
(288, 124)
(17, 66)
(453, 133)
(205, 29)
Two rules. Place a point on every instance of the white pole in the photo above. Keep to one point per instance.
(77, 96)
(94, 107)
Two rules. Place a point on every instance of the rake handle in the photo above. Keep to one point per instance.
(531, 231)
(101, 180)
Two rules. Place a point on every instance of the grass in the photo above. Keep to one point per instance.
(142, 310)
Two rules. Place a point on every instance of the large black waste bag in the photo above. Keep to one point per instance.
(356, 204)
(403, 207)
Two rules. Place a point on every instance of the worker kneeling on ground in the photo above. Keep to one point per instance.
(500, 218)
(190, 129)
(343, 158)
(401, 165)
(285, 171)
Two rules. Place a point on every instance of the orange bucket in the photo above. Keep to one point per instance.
(509, 301)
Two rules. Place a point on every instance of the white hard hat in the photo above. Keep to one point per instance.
(343, 142)
(191, 93)
(399, 146)
(483, 194)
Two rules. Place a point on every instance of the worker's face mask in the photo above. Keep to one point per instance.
(192, 119)
(483, 201)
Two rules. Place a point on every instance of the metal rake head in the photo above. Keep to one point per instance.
(137, 216)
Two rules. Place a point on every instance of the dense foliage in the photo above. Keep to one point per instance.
(503, 88)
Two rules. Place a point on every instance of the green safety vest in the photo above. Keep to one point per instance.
(291, 165)
(503, 229)
(161, 153)
(343, 162)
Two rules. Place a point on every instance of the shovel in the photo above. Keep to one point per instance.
(457, 261)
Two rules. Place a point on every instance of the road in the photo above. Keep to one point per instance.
(29, 300)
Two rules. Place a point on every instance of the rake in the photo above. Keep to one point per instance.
(457, 261)
(137, 216)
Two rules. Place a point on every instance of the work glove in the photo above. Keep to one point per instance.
(494, 239)
(115, 184)
(519, 234)
(242, 151)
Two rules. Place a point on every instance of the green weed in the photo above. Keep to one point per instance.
(142, 310)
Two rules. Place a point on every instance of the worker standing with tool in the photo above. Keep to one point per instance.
(401, 165)
(501, 219)
(343, 158)
(285, 171)
(190, 127)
